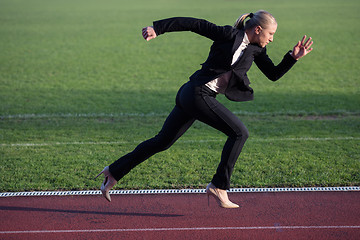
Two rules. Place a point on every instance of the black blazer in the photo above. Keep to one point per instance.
(226, 40)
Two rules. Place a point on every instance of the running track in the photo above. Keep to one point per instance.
(268, 215)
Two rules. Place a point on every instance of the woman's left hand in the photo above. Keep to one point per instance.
(302, 48)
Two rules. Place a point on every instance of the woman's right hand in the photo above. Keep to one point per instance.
(148, 33)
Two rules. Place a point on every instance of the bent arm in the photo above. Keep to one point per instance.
(271, 71)
(199, 26)
(301, 49)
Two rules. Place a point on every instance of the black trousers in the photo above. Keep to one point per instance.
(192, 103)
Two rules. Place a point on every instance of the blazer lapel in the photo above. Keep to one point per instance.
(238, 40)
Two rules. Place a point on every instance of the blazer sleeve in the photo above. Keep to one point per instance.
(271, 71)
(199, 26)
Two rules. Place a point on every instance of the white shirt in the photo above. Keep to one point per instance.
(219, 84)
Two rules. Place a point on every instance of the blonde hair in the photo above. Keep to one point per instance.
(260, 18)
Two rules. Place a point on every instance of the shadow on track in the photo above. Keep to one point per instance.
(30, 209)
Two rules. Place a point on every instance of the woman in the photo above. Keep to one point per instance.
(224, 72)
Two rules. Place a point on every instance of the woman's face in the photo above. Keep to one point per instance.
(263, 36)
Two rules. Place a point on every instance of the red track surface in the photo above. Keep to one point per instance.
(288, 215)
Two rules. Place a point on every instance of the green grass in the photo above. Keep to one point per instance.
(96, 89)
(282, 151)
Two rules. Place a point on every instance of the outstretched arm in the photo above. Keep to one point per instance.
(199, 26)
(148, 33)
(302, 48)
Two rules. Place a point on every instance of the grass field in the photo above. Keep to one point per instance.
(80, 88)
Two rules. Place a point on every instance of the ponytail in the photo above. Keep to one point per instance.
(260, 18)
(240, 22)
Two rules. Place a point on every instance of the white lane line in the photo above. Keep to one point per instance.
(61, 143)
(163, 114)
(179, 229)
(180, 141)
(177, 191)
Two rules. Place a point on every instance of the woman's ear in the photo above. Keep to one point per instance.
(257, 29)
